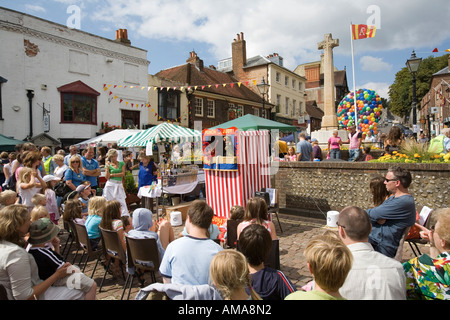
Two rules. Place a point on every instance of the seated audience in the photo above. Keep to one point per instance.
(255, 243)
(7, 198)
(378, 190)
(230, 275)
(427, 278)
(256, 212)
(393, 216)
(95, 213)
(373, 276)
(43, 231)
(187, 259)
(19, 273)
(72, 212)
(329, 261)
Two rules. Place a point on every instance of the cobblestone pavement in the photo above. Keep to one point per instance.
(297, 231)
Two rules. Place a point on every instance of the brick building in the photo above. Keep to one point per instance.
(287, 89)
(434, 111)
(213, 97)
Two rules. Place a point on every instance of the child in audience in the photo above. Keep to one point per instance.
(72, 212)
(256, 212)
(84, 192)
(7, 198)
(38, 212)
(27, 185)
(43, 231)
(51, 202)
(255, 243)
(230, 275)
(329, 261)
(95, 213)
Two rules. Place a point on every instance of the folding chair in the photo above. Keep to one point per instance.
(273, 259)
(69, 240)
(142, 254)
(399, 254)
(113, 249)
(232, 226)
(73, 232)
(273, 209)
(85, 245)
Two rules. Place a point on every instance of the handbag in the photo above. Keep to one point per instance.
(61, 188)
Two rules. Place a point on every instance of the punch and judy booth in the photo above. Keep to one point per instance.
(236, 165)
(236, 160)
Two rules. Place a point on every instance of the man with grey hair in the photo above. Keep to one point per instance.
(373, 275)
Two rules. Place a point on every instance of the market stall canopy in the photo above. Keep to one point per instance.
(8, 144)
(164, 132)
(107, 138)
(251, 122)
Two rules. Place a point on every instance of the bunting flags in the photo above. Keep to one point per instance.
(362, 31)
(182, 88)
(436, 50)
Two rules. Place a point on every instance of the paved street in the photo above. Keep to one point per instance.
(297, 231)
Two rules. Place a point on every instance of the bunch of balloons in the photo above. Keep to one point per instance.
(368, 111)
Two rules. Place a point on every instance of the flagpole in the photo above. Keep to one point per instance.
(353, 70)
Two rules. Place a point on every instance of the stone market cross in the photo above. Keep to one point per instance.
(329, 120)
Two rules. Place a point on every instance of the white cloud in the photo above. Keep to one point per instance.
(369, 63)
(291, 27)
(35, 8)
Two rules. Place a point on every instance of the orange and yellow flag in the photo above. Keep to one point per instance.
(362, 31)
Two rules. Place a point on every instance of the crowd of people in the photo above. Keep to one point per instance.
(359, 145)
(357, 261)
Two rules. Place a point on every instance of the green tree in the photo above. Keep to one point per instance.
(400, 92)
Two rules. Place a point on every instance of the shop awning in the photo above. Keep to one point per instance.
(8, 144)
(251, 122)
(164, 132)
(108, 138)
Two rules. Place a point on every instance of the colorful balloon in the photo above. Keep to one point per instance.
(368, 110)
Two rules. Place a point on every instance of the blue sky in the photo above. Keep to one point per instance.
(170, 29)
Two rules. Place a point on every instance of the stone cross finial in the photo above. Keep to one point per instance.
(329, 120)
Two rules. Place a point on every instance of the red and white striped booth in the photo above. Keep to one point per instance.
(235, 185)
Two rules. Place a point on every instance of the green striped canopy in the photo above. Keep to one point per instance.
(164, 132)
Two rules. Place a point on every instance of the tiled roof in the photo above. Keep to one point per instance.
(191, 75)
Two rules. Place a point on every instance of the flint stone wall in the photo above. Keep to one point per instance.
(314, 188)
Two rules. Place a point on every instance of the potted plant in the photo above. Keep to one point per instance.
(131, 189)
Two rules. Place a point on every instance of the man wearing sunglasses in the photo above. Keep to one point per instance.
(393, 216)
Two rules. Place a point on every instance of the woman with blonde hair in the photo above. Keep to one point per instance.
(114, 173)
(74, 175)
(230, 275)
(19, 272)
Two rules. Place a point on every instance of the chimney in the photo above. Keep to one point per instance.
(122, 36)
(195, 60)
(239, 54)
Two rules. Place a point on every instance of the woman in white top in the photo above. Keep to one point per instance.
(60, 166)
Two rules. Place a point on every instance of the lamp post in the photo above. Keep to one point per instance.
(263, 88)
(413, 64)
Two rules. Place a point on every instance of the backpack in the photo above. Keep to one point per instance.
(437, 144)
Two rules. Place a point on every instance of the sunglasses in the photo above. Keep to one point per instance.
(75, 161)
(389, 180)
